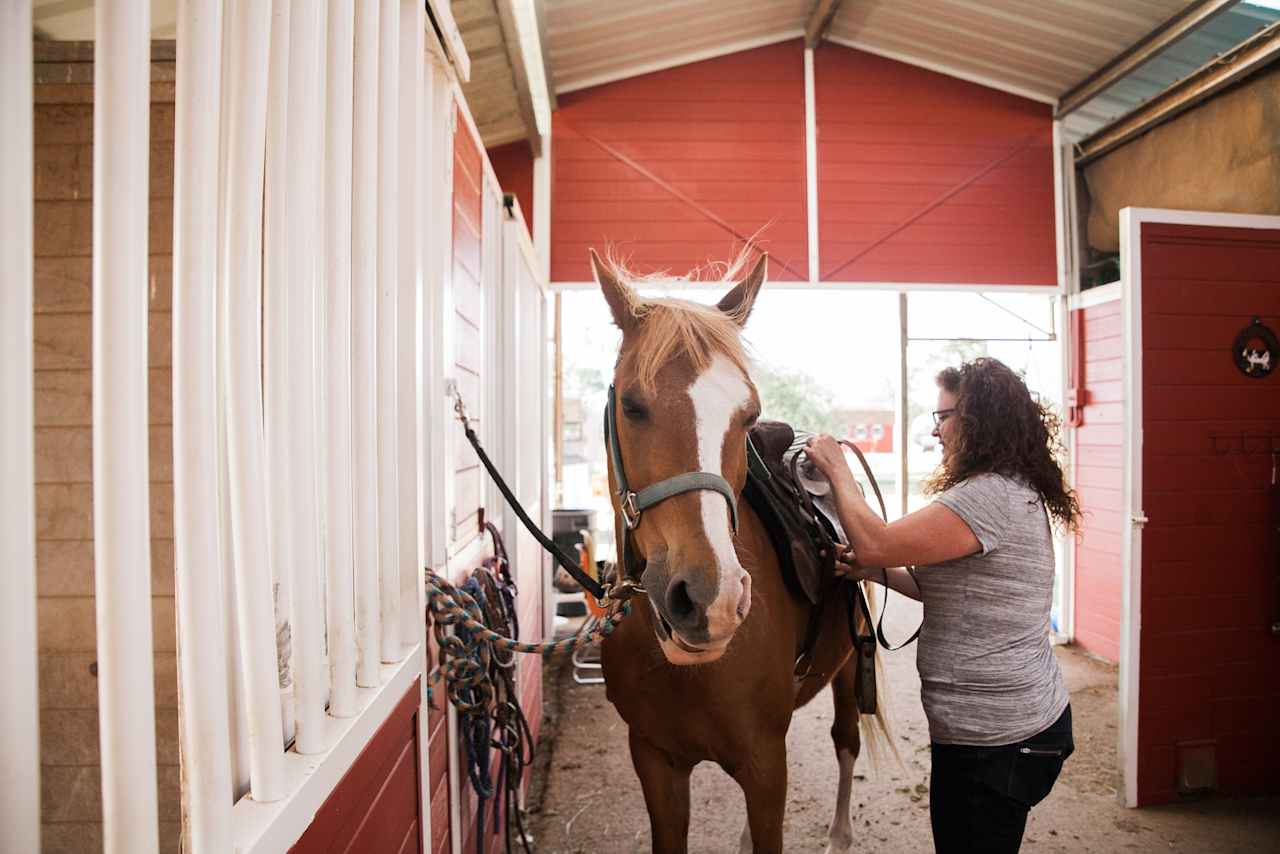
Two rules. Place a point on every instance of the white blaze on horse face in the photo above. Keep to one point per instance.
(720, 393)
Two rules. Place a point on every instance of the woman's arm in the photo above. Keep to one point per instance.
(895, 578)
(933, 534)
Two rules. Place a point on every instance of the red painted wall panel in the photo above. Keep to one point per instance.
(1209, 668)
(513, 164)
(678, 167)
(376, 806)
(1099, 479)
(926, 178)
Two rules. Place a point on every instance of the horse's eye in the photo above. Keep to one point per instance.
(634, 410)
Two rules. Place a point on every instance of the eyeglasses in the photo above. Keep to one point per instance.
(941, 415)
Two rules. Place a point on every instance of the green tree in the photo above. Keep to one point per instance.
(796, 398)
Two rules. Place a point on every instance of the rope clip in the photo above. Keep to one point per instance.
(619, 592)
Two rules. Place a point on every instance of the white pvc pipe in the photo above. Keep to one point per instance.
(19, 712)
(242, 355)
(412, 14)
(202, 649)
(306, 129)
(275, 352)
(364, 342)
(121, 471)
(388, 291)
(339, 556)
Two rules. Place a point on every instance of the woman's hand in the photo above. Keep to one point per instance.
(847, 567)
(828, 455)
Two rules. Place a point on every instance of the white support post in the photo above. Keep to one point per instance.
(121, 470)
(19, 713)
(388, 292)
(409, 272)
(202, 648)
(275, 352)
(303, 176)
(364, 342)
(241, 272)
(811, 164)
(339, 555)
(903, 412)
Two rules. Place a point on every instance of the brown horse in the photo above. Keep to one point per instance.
(705, 670)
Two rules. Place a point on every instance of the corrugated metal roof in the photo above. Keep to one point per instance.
(595, 41)
(1036, 48)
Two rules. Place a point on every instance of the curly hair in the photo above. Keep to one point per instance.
(1001, 428)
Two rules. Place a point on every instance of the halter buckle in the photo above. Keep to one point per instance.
(620, 592)
(630, 511)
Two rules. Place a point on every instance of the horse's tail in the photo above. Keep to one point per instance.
(876, 729)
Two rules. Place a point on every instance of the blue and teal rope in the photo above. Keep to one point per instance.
(463, 664)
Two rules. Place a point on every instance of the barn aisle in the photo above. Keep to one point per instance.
(587, 798)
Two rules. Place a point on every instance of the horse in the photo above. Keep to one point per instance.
(705, 671)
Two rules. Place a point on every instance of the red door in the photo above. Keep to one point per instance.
(1203, 569)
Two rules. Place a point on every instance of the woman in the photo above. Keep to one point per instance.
(999, 716)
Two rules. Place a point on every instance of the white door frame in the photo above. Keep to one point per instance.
(1131, 222)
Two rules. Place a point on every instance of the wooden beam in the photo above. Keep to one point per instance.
(520, 71)
(820, 18)
(1231, 67)
(540, 13)
(1144, 49)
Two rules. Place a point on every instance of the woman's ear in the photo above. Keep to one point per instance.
(619, 295)
(738, 302)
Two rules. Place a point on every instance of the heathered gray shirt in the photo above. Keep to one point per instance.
(988, 675)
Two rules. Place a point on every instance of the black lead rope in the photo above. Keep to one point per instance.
(562, 557)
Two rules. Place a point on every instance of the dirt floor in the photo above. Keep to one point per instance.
(586, 798)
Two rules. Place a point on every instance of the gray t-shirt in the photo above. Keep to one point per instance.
(988, 675)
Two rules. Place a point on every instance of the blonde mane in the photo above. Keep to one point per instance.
(672, 328)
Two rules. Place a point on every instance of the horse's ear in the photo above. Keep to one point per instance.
(738, 302)
(618, 294)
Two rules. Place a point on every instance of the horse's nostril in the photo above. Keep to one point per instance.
(679, 602)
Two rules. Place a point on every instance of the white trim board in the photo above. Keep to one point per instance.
(259, 828)
(811, 163)
(892, 287)
(1094, 296)
(1131, 222)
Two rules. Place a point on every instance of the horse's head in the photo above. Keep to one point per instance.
(684, 402)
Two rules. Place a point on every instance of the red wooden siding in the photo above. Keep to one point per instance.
(926, 178)
(468, 304)
(513, 164)
(376, 807)
(1209, 668)
(675, 168)
(1099, 480)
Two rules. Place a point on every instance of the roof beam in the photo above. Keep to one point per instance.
(820, 18)
(540, 15)
(1231, 67)
(1145, 48)
(520, 71)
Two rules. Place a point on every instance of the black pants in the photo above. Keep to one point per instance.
(979, 796)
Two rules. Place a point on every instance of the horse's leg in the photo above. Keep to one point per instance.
(763, 778)
(665, 781)
(848, 742)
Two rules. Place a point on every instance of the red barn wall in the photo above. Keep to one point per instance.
(377, 805)
(926, 178)
(1209, 669)
(676, 168)
(1099, 482)
(468, 319)
(513, 164)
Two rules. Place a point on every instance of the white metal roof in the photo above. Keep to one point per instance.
(1037, 48)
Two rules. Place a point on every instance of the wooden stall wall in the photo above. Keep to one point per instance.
(1099, 481)
(71, 800)
(926, 178)
(1209, 667)
(678, 167)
